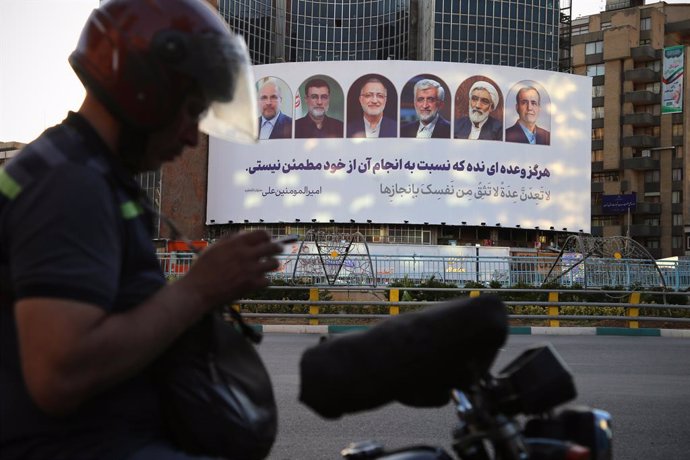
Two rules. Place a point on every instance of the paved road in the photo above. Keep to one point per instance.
(643, 381)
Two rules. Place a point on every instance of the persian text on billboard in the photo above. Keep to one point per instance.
(415, 142)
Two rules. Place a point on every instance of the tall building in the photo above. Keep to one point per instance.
(636, 147)
(521, 34)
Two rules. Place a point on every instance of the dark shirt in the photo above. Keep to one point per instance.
(282, 129)
(71, 229)
(387, 128)
(441, 130)
(492, 130)
(305, 128)
(516, 134)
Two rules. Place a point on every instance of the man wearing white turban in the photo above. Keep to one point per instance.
(479, 124)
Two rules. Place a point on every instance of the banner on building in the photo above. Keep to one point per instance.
(451, 143)
(672, 80)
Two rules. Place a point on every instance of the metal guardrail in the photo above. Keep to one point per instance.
(496, 271)
(631, 307)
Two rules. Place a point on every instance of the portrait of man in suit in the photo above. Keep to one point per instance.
(316, 123)
(479, 123)
(273, 123)
(525, 130)
(371, 121)
(429, 98)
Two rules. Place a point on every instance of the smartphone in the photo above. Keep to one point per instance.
(286, 239)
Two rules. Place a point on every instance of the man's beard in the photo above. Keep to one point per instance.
(477, 116)
(317, 112)
(427, 118)
(373, 111)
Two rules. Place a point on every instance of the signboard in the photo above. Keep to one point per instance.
(618, 204)
(672, 80)
(332, 172)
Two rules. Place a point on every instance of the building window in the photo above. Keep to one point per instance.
(677, 219)
(595, 70)
(677, 174)
(579, 30)
(645, 23)
(678, 152)
(597, 112)
(597, 155)
(605, 221)
(652, 197)
(652, 176)
(596, 198)
(653, 87)
(652, 244)
(597, 133)
(677, 129)
(611, 176)
(605, 25)
(676, 242)
(654, 65)
(651, 221)
(676, 197)
(594, 47)
(598, 91)
(646, 41)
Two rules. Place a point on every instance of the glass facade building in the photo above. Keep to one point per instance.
(516, 33)
(510, 32)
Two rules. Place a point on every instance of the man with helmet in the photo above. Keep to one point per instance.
(84, 307)
(479, 124)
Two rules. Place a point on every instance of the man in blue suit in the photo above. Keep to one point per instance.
(273, 124)
(525, 129)
(479, 124)
(429, 98)
(372, 123)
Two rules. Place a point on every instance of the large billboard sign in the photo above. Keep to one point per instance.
(410, 142)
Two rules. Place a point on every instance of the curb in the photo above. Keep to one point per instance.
(514, 330)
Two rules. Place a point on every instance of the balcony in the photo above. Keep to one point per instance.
(642, 75)
(642, 141)
(597, 187)
(647, 208)
(642, 97)
(652, 187)
(640, 163)
(643, 230)
(597, 231)
(642, 119)
(597, 166)
(645, 53)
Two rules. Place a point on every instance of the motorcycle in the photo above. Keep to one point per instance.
(514, 415)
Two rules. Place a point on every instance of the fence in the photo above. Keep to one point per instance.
(620, 306)
(355, 270)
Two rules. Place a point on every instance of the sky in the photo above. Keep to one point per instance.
(37, 85)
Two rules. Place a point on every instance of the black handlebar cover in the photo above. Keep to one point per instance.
(415, 358)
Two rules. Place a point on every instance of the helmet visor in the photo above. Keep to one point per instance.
(234, 118)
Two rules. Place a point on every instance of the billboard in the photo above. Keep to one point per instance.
(410, 142)
(672, 80)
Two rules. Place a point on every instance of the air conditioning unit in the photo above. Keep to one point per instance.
(646, 153)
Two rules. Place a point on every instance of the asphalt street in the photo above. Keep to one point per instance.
(644, 382)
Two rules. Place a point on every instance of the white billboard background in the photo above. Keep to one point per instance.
(396, 180)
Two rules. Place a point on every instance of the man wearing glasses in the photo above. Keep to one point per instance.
(316, 123)
(479, 124)
(429, 98)
(273, 124)
(372, 123)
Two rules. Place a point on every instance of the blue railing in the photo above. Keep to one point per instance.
(379, 270)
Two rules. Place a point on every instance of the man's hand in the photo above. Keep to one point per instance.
(232, 267)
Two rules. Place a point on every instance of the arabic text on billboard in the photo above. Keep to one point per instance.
(414, 142)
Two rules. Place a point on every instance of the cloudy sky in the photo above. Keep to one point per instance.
(37, 86)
